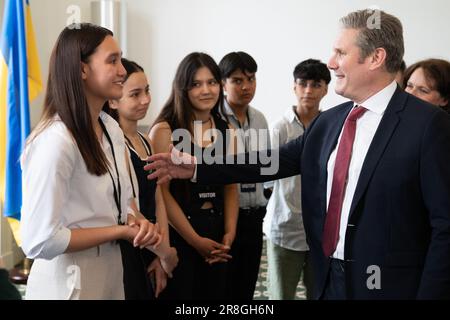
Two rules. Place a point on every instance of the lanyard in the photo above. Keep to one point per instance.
(248, 188)
(248, 121)
(246, 136)
(133, 149)
(143, 143)
(117, 191)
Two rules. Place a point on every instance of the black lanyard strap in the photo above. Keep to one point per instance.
(117, 191)
(239, 123)
(244, 131)
(131, 148)
(144, 144)
(129, 170)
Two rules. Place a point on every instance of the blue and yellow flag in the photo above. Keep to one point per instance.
(20, 82)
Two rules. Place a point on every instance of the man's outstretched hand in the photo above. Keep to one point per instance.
(171, 165)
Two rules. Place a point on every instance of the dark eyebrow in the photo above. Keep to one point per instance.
(250, 75)
(207, 80)
(139, 89)
(135, 90)
(115, 55)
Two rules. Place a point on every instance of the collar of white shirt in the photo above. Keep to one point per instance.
(379, 101)
(291, 115)
(229, 112)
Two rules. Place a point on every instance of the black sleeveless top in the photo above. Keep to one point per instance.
(147, 188)
(191, 196)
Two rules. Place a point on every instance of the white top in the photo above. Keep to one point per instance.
(366, 126)
(283, 223)
(59, 193)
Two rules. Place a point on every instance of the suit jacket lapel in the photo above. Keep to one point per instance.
(380, 140)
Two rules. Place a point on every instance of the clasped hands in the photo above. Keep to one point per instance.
(144, 234)
(212, 251)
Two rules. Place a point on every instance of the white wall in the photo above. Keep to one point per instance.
(277, 33)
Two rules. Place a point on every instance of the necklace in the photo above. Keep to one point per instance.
(203, 121)
(211, 134)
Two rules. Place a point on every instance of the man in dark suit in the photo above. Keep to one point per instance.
(375, 175)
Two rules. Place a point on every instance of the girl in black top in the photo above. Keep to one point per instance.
(203, 217)
(144, 277)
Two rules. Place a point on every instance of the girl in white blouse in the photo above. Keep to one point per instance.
(77, 197)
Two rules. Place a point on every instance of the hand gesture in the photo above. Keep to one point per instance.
(171, 165)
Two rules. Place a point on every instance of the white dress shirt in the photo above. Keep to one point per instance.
(283, 223)
(366, 126)
(59, 193)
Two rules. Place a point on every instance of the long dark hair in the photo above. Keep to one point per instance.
(65, 95)
(131, 67)
(177, 111)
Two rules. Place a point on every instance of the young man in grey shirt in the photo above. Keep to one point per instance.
(239, 81)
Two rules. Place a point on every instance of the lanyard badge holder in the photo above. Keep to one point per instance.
(246, 187)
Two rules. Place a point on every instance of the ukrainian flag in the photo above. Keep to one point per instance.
(20, 82)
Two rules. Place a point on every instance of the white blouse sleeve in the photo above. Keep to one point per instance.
(47, 164)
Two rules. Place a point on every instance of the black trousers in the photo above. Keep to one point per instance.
(246, 251)
(135, 262)
(193, 278)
